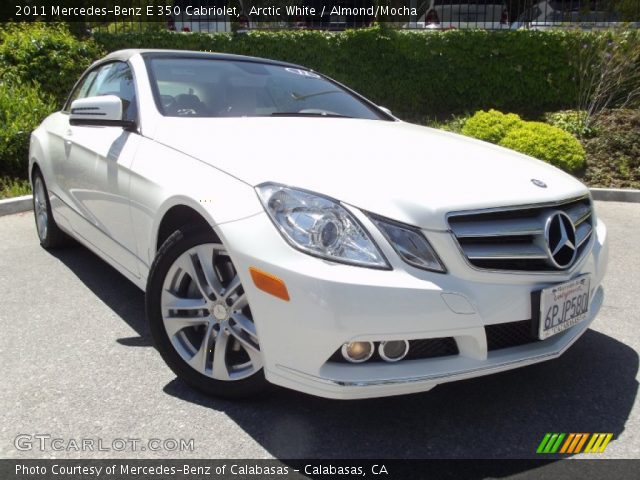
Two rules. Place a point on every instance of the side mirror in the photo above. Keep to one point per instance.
(385, 110)
(104, 111)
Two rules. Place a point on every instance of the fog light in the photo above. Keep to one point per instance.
(357, 352)
(394, 350)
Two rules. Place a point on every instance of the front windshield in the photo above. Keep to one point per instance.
(195, 87)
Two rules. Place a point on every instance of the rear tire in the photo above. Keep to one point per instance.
(50, 235)
(200, 318)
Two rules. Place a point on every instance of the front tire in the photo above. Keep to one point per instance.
(200, 317)
(50, 235)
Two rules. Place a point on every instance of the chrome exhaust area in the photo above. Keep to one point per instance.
(393, 350)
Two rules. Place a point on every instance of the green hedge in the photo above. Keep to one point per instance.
(413, 73)
(48, 56)
(416, 74)
(22, 108)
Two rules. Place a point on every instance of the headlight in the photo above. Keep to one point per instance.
(319, 226)
(410, 244)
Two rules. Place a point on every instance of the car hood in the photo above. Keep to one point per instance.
(398, 170)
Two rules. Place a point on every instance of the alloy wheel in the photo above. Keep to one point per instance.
(40, 207)
(206, 315)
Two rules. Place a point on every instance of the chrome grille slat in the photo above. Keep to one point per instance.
(583, 233)
(513, 238)
(500, 228)
(578, 213)
(517, 251)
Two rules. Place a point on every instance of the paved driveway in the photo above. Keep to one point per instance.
(78, 363)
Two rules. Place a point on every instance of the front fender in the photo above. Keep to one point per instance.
(163, 178)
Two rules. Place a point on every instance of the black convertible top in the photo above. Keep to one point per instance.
(124, 55)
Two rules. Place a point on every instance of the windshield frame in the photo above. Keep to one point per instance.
(149, 57)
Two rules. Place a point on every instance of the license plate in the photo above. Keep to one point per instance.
(563, 306)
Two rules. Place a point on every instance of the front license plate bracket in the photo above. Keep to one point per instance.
(579, 286)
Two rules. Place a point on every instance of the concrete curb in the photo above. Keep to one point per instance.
(616, 195)
(10, 206)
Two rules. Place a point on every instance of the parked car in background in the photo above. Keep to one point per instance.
(451, 14)
(370, 269)
(550, 14)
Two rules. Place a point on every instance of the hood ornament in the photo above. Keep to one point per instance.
(538, 183)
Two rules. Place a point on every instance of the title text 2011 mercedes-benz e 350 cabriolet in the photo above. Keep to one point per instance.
(287, 230)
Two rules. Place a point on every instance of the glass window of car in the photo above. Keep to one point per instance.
(230, 88)
(116, 79)
(81, 89)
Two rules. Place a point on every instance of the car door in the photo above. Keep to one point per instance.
(96, 171)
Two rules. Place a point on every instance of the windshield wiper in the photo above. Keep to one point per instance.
(297, 96)
(309, 114)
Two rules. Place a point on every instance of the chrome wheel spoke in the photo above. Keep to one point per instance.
(174, 324)
(209, 278)
(233, 286)
(173, 302)
(239, 303)
(244, 323)
(199, 360)
(255, 357)
(220, 369)
(244, 340)
(190, 265)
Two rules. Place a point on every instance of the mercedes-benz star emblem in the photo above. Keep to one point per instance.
(538, 183)
(560, 240)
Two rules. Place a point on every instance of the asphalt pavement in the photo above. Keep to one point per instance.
(78, 364)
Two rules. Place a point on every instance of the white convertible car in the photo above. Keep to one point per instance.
(286, 230)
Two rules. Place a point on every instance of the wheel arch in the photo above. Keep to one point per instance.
(176, 215)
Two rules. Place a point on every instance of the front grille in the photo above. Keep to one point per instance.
(512, 334)
(514, 238)
(418, 350)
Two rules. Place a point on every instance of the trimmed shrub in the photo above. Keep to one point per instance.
(44, 54)
(490, 126)
(22, 108)
(547, 143)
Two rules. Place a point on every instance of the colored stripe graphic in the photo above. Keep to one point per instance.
(567, 443)
(598, 442)
(543, 443)
(577, 443)
(552, 442)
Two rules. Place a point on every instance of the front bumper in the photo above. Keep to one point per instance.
(331, 304)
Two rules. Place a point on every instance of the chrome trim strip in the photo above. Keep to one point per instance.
(504, 252)
(499, 228)
(525, 206)
(583, 233)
